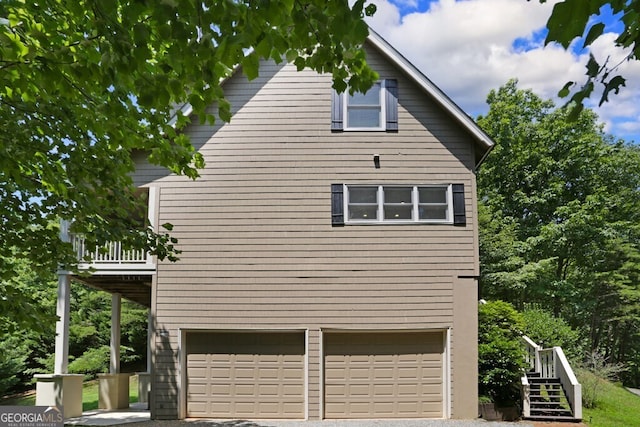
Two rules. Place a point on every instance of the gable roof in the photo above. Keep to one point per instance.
(483, 142)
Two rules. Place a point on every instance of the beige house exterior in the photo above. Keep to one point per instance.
(329, 254)
(275, 311)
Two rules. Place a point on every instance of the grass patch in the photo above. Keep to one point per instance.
(615, 406)
(90, 397)
(27, 398)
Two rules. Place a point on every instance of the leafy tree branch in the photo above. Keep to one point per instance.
(84, 84)
(572, 19)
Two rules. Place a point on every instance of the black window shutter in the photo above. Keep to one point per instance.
(459, 215)
(337, 205)
(391, 102)
(336, 111)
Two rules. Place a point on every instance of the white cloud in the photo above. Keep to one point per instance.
(469, 47)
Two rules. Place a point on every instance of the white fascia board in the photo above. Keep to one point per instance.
(186, 109)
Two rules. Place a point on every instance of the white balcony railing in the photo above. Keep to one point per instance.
(112, 255)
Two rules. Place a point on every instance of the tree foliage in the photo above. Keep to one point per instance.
(547, 331)
(86, 83)
(560, 219)
(13, 357)
(571, 19)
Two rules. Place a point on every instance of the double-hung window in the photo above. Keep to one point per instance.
(399, 204)
(364, 111)
(375, 110)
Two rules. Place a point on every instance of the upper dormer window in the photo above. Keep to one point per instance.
(365, 110)
(375, 110)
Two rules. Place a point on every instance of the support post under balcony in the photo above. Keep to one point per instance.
(144, 378)
(113, 388)
(62, 325)
(116, 308)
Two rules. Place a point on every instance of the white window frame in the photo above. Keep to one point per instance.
(382, 118)
(415, 219)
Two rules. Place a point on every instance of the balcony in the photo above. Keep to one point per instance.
(112, 267)
(111, 257)
(115, 269)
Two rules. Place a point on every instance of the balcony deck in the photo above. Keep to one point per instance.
(115, 269)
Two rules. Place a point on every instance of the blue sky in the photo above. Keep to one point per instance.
(469, 47)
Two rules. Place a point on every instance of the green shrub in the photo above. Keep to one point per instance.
(96, 360)
(92, 362)
(500, 353)
(547, 330)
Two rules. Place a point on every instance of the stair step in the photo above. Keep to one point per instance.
(550, 406)
(557, 416)
(549, 394)
(544, 380)
(545, 404)
(554, 387)
(547, 399)
(552, 418)
(550, 411)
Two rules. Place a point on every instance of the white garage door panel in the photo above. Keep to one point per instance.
(383, 375)
(245, 375)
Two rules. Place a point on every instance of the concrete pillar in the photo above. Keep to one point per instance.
(116, 308)
(113, 391)
(60, 391)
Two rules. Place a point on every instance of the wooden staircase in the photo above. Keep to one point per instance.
(550, 390)
(548, 401)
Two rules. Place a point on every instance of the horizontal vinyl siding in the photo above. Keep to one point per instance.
(255, 229)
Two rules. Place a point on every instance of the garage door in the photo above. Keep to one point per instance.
(245, 375)
(383, 375)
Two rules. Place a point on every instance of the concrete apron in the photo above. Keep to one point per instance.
(136, 413)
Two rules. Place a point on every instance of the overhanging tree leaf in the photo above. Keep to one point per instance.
(571, 19)
(614, 85)
(595, 31)
(86, 83)
(568, 20)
